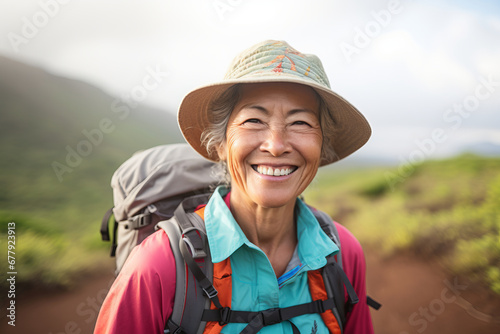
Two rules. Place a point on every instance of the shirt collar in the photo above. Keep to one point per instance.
(223, 232)
(225, 235)
(314, 245)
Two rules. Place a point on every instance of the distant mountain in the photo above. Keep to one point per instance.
(50, 112)
(59, 135)
(488, 149)
(386, 158)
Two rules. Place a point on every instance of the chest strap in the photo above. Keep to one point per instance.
(258, 320)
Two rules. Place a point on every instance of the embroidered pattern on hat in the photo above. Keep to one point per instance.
(288, 52)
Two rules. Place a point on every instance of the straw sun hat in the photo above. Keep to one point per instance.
(275, 61)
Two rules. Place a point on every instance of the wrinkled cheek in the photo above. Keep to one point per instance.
(234, 163)
(312, 173)
(235, 170)
(308, 176)
(313, 165)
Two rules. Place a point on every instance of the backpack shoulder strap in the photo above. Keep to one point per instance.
(328, 226)
(334, 277)
(317, 288)
(186, 232)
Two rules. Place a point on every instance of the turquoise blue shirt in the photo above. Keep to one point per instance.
(255, 286)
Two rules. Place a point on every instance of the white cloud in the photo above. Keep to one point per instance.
(436, 70)
(494, 22)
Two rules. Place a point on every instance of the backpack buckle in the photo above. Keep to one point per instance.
(319, 306)
(225, 315)
(210, 291)
(195, 253)
(172, 328)
(271, 316)
(138, 221)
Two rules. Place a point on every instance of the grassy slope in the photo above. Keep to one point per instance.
(444, 208)
(449, 209)
(57, 221)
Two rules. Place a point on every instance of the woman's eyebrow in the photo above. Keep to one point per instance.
(257, 107)
(289, 113)
(300, 110)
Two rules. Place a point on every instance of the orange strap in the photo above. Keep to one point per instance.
(318, 292)
(222, 283)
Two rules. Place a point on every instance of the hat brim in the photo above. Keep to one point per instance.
(352, 130)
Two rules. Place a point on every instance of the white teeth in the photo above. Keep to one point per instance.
(273, 172)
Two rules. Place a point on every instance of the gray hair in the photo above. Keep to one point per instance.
(214, 135)
(328, 128)
(220, 111)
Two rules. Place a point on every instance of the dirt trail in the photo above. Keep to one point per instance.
(60, 312)
(417, 297)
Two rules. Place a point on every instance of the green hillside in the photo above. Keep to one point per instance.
(60, 142)
(448, 209)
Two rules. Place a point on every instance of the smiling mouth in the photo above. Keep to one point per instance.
(264, 170)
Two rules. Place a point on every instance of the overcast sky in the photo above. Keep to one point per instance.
(420, 71)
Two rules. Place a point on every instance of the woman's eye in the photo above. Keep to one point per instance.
(252, 120)
(300, 123)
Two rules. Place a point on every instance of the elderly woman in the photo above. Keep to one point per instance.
(271, 123)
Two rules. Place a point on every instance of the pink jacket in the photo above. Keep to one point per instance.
(142, 297)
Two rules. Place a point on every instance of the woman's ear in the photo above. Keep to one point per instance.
(221, 151)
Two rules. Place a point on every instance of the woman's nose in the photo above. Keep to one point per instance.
(276, 142)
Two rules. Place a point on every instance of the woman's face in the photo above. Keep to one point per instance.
(273, 143)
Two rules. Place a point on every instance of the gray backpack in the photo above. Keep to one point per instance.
(160, 188)
(147, 188)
